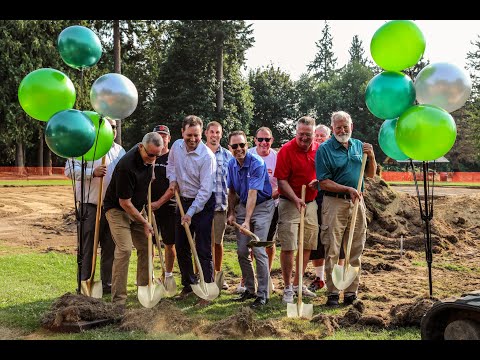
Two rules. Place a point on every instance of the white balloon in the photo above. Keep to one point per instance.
(114, 96)
(444, 85)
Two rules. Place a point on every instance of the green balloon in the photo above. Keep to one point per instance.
(388, 142)
(79, 47)
(397, 45)
(389, 94)
(103, 138)
(425, 132)
(44, 92)
(70, 133)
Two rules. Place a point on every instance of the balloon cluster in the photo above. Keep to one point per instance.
(49, 95)
(425, 131)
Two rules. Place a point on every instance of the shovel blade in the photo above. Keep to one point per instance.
(206, 291)
(300, 310)
(270, 286)
(93, 289)
(342, 278)
(170, 286)
(292, 310)
(219, 279)
(149, 296)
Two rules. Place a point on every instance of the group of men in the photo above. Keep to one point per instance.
(257, 188)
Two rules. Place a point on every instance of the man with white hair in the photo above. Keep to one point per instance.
(338, 164)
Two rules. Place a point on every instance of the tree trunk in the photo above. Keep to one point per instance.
(40, 152)
(48, 161)
(219, 73)
(19, 158)
(117, 63)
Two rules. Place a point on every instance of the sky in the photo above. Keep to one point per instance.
(290, 44)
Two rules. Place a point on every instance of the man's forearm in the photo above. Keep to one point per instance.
(371, 168)
(250, 206)
(131, 210)
(166, 197)
(232, 199)
(287, 190)
(332, 186)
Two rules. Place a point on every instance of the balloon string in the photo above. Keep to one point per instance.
(93, 159)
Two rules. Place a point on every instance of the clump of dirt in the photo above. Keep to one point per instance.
(410, 314)
(71, 308)
(373, 320)
(242, 325)
(327, 324)
(164, 317)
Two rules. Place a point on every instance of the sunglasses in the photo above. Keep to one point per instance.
(262, 139)
(235, 146)
(151, 155)
(114, 127)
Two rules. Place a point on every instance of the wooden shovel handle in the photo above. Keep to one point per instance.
(97, 225)
(159, 246)
(354, 215)
(300, 246)
(246, 231)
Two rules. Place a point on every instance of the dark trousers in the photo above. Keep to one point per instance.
(106, 243)
(201, 229)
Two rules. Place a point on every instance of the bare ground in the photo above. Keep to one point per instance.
(394, 286)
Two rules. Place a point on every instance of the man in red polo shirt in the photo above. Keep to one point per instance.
(296, 167)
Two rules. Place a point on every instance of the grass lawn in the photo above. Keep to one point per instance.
(32, 281)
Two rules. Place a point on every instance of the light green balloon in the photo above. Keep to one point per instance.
(44, 92)
(388, 142)
(103, 138)
(425, 132)
(397, 45)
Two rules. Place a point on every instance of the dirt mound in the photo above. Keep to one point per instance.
(410, 314)
(165, 317)
(71, 308)
(242, 325)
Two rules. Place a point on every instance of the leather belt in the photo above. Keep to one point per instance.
(337, 195)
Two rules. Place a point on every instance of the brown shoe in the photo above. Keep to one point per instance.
(186, 291)
(203, 303)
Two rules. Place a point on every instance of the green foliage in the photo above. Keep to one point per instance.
(275, 98)
(324, 65)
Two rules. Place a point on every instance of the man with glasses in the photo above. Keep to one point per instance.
(213, 134)
(296, 167)
(124, 203)
(95, 173)
(263, 148)
(163, 201)
(191, 168)
(248, 178)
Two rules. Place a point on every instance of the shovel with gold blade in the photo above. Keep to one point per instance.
(300, 309)
(169, 282)
(90, 287)
(204, 290)
(150, 295)
(255, 242)
(344, 275)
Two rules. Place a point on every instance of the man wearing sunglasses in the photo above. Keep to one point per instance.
(295, 168)
(248, 178)
(124, 203)
(191, 168)
(95, 173)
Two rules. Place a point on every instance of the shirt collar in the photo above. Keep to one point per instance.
(246, 162)
(337, 144)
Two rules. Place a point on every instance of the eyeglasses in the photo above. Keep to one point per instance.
(235, 146)
(262, 139)
(114, 127)
(150, 155)
(307, 135)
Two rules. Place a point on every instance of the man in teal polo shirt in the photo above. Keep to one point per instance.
(248, 178)
(338, 162)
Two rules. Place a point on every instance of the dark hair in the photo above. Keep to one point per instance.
(192, 120)
(235, 133)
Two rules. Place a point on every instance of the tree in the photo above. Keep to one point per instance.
(324, 65)
(473, 65)
(275, 99)
(357, 53)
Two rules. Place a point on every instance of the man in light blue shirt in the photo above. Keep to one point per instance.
(248, 178)
(191, 168)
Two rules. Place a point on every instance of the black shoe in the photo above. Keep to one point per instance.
(258, 303)
(245, 296)
(349, 299)
(332, 300)
(107, 289)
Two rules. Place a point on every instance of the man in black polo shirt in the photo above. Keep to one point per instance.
(163, 201)
(124, 201)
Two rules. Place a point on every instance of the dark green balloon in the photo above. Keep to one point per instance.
(79, 47)
(388, 142)
(389, 94)
(70, 133)
(103, 138)
(425, 132)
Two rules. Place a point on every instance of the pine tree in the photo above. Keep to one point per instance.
(324, 65)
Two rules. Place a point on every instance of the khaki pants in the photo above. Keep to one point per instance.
(219, 225)
(126, 233)
(336, 218)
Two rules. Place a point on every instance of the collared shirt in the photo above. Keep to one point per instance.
(253, 175)
(193, 171)
(297, 167)
(130, 180)
(334, 162)
(222, 156)
(92, 184)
